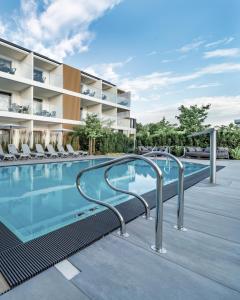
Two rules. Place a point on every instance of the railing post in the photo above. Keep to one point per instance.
(213, 154)
(213, 150)
(159, 218)
(180, 209)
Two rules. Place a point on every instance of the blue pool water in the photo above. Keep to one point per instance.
(37, 199)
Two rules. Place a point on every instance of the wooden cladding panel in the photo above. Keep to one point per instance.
(71, 79)
(71, 107)
(72, 82)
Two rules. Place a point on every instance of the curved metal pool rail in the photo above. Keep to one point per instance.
(180, 210)
(142, 200)
(159, 199)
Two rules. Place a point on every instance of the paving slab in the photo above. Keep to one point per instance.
(212, 257)
(49, 285)
(115, 269)
(203, 221)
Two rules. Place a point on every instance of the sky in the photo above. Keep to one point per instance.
(166, 52)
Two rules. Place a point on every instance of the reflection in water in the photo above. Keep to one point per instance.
(36, 199)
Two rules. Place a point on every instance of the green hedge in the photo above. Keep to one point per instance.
(227, 136)
(110, 142)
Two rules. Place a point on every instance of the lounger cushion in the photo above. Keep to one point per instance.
(190, 149)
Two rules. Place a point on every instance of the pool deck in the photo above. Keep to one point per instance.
(201, 263)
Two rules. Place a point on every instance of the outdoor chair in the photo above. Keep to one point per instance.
(52, 151)
(143, 149)
(75, 153)
(86, 92)
(62, 151)
(39, 149)
(13, 150)
(161, 148)
(26, 150)
(6, 156)
(53, 114)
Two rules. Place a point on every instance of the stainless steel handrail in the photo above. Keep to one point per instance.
(159, 199)
(143, 201)
(180, 210)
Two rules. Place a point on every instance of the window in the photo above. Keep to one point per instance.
(37, 106)
(132, 123)
(38, 75)
(5, 101)
(6, 66)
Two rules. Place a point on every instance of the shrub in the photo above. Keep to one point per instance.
(235, 153)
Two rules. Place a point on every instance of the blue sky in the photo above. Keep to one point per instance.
(167, 52)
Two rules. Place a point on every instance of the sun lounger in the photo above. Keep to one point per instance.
(62, 151)
(39, 149)
(75, 153)
(26, 150)
(6, 156)
(53, 152)
(13, 150)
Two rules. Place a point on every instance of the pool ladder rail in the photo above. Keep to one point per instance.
(158, 246)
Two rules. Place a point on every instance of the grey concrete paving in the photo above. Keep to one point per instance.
(48, 285)
(202, 263)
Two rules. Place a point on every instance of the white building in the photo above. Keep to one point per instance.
(47, 97)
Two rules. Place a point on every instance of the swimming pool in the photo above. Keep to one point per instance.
(39, 198)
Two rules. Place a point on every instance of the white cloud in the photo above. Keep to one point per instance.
(224, 41)
(203, 86)
(60, 29)
(230, 52)
(152, 53)
(2, 28)
(191, 46)
(160, 80)
(224, 109)
(108, 70)
(165, 61)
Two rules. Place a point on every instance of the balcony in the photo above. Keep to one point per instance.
(6, 66)
(47, 72)
(43, 108)
(15, 108)
(108, 120)
(108, 96)
(91, 91)
(46, 113)
(124, 123)
(123, 101)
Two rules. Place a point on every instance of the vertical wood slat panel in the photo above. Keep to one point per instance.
(72, 82)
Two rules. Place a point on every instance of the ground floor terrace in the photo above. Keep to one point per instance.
(201, 263)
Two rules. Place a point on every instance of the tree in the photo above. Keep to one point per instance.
(93, 130)
(192, 118)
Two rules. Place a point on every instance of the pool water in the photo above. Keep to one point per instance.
(40, 198)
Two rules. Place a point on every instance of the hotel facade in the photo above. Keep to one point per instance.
(43, 98)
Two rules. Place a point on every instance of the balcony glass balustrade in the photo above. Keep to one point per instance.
(108, 96)
(41, 108)
(123, 101)
(47, 78)
(107, 119)
(91, 91)
(17, 68)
